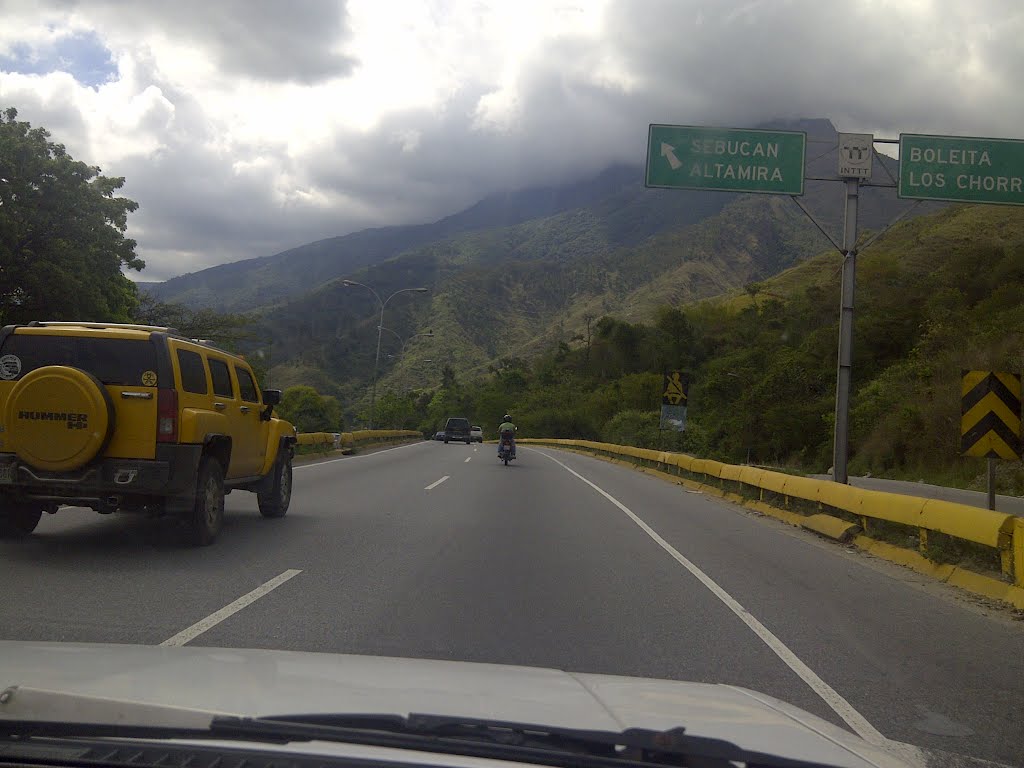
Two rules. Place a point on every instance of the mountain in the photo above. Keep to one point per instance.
(516, 291)
(629, 212)
(936, 295)
(515, 273)
(252, 283)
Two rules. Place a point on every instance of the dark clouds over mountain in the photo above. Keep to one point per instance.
(244, 128)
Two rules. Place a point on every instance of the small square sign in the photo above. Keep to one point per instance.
(855, 155)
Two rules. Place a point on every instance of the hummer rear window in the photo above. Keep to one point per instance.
(124, 362)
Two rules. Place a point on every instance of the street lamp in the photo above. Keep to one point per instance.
(403, 342)
(380, 326)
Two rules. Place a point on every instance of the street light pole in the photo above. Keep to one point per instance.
(380, 327)
(376, 362)
(403, 342)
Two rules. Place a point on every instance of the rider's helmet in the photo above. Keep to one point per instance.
(507, 417)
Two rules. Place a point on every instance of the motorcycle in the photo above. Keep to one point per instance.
(505, 450)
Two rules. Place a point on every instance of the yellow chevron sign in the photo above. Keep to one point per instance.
(990, 415)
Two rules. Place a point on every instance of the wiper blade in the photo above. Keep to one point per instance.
(28, 712)
(537, 744)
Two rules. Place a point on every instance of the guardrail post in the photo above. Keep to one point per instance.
(922, 535)
(1018, 551)
(1006, 555)
(864, 525)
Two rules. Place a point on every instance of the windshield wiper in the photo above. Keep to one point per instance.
(28, 712)
(495, 739)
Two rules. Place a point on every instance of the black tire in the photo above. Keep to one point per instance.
(468, 442)
(506, 461)
(446, 442)
(274, 503)
(18, 519)
(207, 515)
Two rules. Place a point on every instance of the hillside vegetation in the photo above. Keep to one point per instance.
(518, 290)
(935, 295)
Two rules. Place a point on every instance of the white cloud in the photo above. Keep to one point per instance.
(244, 127)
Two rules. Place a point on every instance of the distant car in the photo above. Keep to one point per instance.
(439, 435)
(476, 434)
(457, 428)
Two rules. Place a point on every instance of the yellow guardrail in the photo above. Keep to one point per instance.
(1001, 531)
(352, 439)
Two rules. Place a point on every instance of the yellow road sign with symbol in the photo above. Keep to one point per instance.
(675, 390)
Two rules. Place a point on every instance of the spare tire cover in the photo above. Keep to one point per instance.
(59, 418)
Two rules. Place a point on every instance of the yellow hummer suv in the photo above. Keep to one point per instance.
(135, 418)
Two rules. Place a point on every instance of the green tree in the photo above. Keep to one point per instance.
(62, 243)
(396, 412)
(309, 411)
(228, 330)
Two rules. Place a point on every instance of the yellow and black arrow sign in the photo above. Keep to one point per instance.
(990, 415)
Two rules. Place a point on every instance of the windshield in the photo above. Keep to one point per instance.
(590, 364)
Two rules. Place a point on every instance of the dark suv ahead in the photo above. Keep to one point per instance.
(457, 428)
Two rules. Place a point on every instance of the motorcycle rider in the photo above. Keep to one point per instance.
(509, 426)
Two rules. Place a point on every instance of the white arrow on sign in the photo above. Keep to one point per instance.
(669, 153)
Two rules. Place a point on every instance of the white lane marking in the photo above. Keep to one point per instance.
(230, 609)
(842, 707)
(467, 460)
(353, 458)
(436, 483)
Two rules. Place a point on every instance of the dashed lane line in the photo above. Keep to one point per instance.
(436, 483)
(187, 635)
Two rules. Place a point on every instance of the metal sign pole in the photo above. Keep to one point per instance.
(841, 446)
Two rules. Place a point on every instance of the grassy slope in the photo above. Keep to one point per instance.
(935, 295)
(553, 273)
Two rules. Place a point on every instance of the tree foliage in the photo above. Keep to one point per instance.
(62, 243)
(225, 329)
(936, 295)
(309, 411)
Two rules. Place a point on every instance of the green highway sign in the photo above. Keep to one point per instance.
(962, 169)
(726, 159)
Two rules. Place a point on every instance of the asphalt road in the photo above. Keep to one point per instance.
(531, 564)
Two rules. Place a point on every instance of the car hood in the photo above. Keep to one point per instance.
(260, 683)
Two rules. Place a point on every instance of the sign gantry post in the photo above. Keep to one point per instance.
(856, 153)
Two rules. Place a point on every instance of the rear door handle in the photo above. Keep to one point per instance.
(244, 409)
(219, 406)
(137, 395)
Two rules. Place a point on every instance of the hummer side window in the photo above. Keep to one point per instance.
(221, 378)
(246, 386)
(193, 372)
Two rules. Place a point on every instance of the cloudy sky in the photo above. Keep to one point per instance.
(245, 127)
